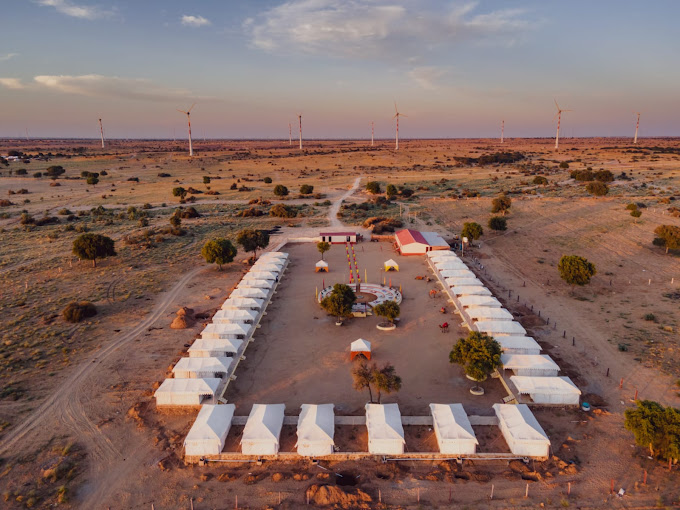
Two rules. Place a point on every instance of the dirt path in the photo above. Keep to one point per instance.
(335, 208)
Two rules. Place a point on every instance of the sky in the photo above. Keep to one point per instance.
(454, 68)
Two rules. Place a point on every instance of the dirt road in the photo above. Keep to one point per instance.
(333, 212)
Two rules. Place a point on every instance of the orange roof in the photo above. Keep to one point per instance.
(408, 236)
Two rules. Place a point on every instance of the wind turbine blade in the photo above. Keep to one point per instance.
(558, 106)
(402, 115)
(192, 107)
(395, 107)
(181, 111)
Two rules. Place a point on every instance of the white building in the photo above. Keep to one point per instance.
(315, 430)
(186, 392)
(453, 429)
(209, 432)
(413, 242)
(521, 431)
(518, 345)
(548, 390)
(385, 430)
(199, 368)
(496, 327)
(533, 365)
(263, 429)
(218, 348)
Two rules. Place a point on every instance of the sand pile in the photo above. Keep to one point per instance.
(184, 319)
(327, 495)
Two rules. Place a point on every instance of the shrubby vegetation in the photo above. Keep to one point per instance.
(472, 230)
(655, 427)
(498, 223)
(576, 270)
(218, 251)
(77, 311)
(340, 301)
(93, 247)
(479, 354)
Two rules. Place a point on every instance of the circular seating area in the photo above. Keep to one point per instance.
(381, 293)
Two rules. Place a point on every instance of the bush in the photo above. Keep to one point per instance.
(282, 211)
(373, 187)
(498, 223)
(21, 171)
(179, 192)
(267, 180)
(280, 190)
(668, 236)
(218, 251)
(582, 175)
(540, 180)
(564, 165)
(501, 204)
(133, 179)
(655, 428)
(632, 207)
(206, 179)
(597, 188)
(391, 190)
(636, 213)
(93, 247)
(37, 175)
(479, 354)
(603, 176)
(306, 189)
(472, 230)
(188, 213)
(576, 270)
(77, 311)
(54, 171)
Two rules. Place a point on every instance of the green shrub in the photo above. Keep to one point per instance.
(373, 187)
(498, 223)
(597, 188)
(472, 230)
(267, 180)
(280, 190)
(77, 311)
(306, 189)
(576, 270)
(540, 180)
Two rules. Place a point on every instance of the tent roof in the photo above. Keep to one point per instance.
(273, 255)
(275, 263)
(316, 423)
(520, 422)
(384, 422)
(441, 254)
(211, 364)
(220, 344)
(470, 281)
(450, 264)
(360, 345)
(501, 327)
(322, 263)
(236, 302)
(488, 312)
(211, 422)
(255, 284)
(518, 342)
(549, 385)
(205, 386)
(237, 314)
(536, 361)
(474, 300)
(231, 328)
(452, 422)
(434, 239)
(391, 262)
(457, 273)
(259, 275)
(264, 423)
(250, 292)
(471, 290)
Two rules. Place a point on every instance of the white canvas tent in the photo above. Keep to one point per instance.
(548, 390)
(453, 430)
(315, 430)
(496, 327)
(248, 292)
(199, 368)
(226, 330)
(255, 284)
(236, 303)
(279, 255)
(185, 392)
(479, 313)
(450, 264)
(385, 431)
(519, 345)
(476, 290)
(260, 275)
(262, 430)
(441, 255)
(475, 300)
(535, 365)
(463, 282)
(219, 348)
(391, 265)
(210, 430)
(268, 265)
(522, 431)
(360, 346)
(235, 315)
(456, 273)
(321, 266)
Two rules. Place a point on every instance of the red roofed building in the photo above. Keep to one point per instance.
(413, 242)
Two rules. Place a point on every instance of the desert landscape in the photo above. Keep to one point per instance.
(79, 425)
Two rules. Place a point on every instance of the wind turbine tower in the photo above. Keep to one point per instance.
(101, 131)
(637, 126)
(290, 134)
(396, 116)
(559, 119)
(188, 112)
(300, 121)
(502, 129)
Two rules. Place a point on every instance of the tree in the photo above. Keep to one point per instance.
(323, 247)
(668, 236)
(306, 189)
(597, 188)
(92, 180)
(373, 187)
(282, 211)
(267, 180)
(564, 165)
(655, 427)
(389, 309)
(472, 230)
(391, 191)
(362, 375)
(603, 176)
(280, 190)
(636, 214)
(76, 311)
(179, 192)
(54, 171)
(576, 270)
(218, 251)
(340, 301)
(479, 354)
(540, 180)
(386, 380)
(251, 239)
(501, 204)
(206, 179)
(498, 223)
(176, 220)
(93, 247)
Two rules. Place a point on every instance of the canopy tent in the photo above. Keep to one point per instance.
(450, 264)
(226, 330)
(321, 267)
(262, 430)
(453, 430)
(248, 292)
(358, 347)
(235, 315)
(463, 282)
(488, 313)
(496, 327)
(474, 300)
(548, 390)
(391, 265)
(519, 345)
(255, 284)
(385, 431)
(315, 430)
(210, 430)
(185, 392)
(456, 273)
(260, 275)
(476, 290)
(537, 365)
(218, 348)
(198, 368)
(522, 431)
(441, 255)
(248, 303)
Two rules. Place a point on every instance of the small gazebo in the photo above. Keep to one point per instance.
(362, 347)
(391, 265)
(321, 267)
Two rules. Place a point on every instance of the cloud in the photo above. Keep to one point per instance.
(195, 21)
(7, 56)
(75, 10)
(428, 77)
(12, 83)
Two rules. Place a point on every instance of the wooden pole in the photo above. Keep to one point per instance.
(236, 501)
(568, 488)
(450, 494)
(418, 494)
(621, 383)
(191, 503)
(644, 478)
(611, 488)
(526, 492)
(379, 496)
(492, 487)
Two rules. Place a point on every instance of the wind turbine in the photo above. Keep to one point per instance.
(101, 132)
(371, 133)
(188, 112)
(290, 134)
(502, 129)
(637, 126)
(559, 119)
(396, 116)
(300, 121)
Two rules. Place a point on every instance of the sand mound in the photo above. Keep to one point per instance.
(179, 322)
(327, 495)
(185, 312)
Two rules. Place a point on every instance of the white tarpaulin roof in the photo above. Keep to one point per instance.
(263, 428)
(210, 429)
(453, 429)
(476, 290)
(441, 254)
(528, 361)
(248, 292)
(206, 386)
(268, 265)
(257, 284)
(517, 343)
(553, 385)
(521, 430)
(203, 365)
(457, 273)
(494, 327)
(322, 263)
(316, 429)
(213, 330)
(384, 423)
(450, 264)
(260, 275)
(360, 345)
(463, 282)
(273, 255)
(235, 315)
(434, 239)
(488, 312)
(235, 303)
(472, 300)
(217, 344)
(391, 263)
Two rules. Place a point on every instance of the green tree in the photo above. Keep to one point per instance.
(391, 191)
(93, 247)
(386, 380)
(501, 204)
(656, 428)
(498, 223)
(92, 180)
(323, 247)
(472, 230)
(667, 236)
(306, 189)
(267, 180)
(373, 187)
(597, 188)
(218, 251)
(389, 309)
(251, 240)
(179, 192)
(540, 180)
(603, 176)
(576, 270)
(54, 171)
(479, 354)
(340, 301)
(280, 190)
